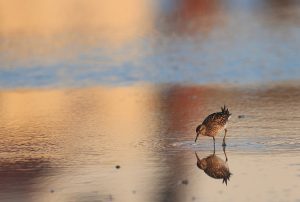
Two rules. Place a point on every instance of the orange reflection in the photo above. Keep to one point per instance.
(57, 125)
(117, 109)
(115, 21)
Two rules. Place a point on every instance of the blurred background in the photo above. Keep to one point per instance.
(84, 43)
(99, 99)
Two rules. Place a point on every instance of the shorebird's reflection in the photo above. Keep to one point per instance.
(214, 166)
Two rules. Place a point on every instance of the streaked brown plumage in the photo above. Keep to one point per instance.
(214, 124)
(214, 166)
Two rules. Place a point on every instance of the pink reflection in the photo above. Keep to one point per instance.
(193, 16)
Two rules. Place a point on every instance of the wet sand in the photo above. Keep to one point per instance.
(65, 144)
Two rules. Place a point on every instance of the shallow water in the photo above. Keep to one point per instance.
(65, 144)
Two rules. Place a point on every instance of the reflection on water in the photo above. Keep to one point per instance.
(214, 166)
(19, 178)
(74, 43)
(64, 145)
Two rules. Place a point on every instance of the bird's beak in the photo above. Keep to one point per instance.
(198, 159)
(197, 136)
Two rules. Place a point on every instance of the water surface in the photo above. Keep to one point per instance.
(65, 144)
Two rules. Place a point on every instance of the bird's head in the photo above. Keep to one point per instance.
(201, 163)
(200, 129)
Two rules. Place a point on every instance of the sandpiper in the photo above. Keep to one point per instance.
(213, 124)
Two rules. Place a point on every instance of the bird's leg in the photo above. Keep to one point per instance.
(225, 153)
(224, 144)
(214, 145)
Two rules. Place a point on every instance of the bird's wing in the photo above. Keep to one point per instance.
(215, 118)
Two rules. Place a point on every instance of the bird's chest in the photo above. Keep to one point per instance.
(213, 130)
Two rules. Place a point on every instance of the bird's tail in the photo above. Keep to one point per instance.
(225, 111)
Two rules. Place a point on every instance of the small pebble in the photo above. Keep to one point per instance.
(133, 191)
(241, 116)
(118, 167)
(52, 191)
(193, 198)
(185, 182)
